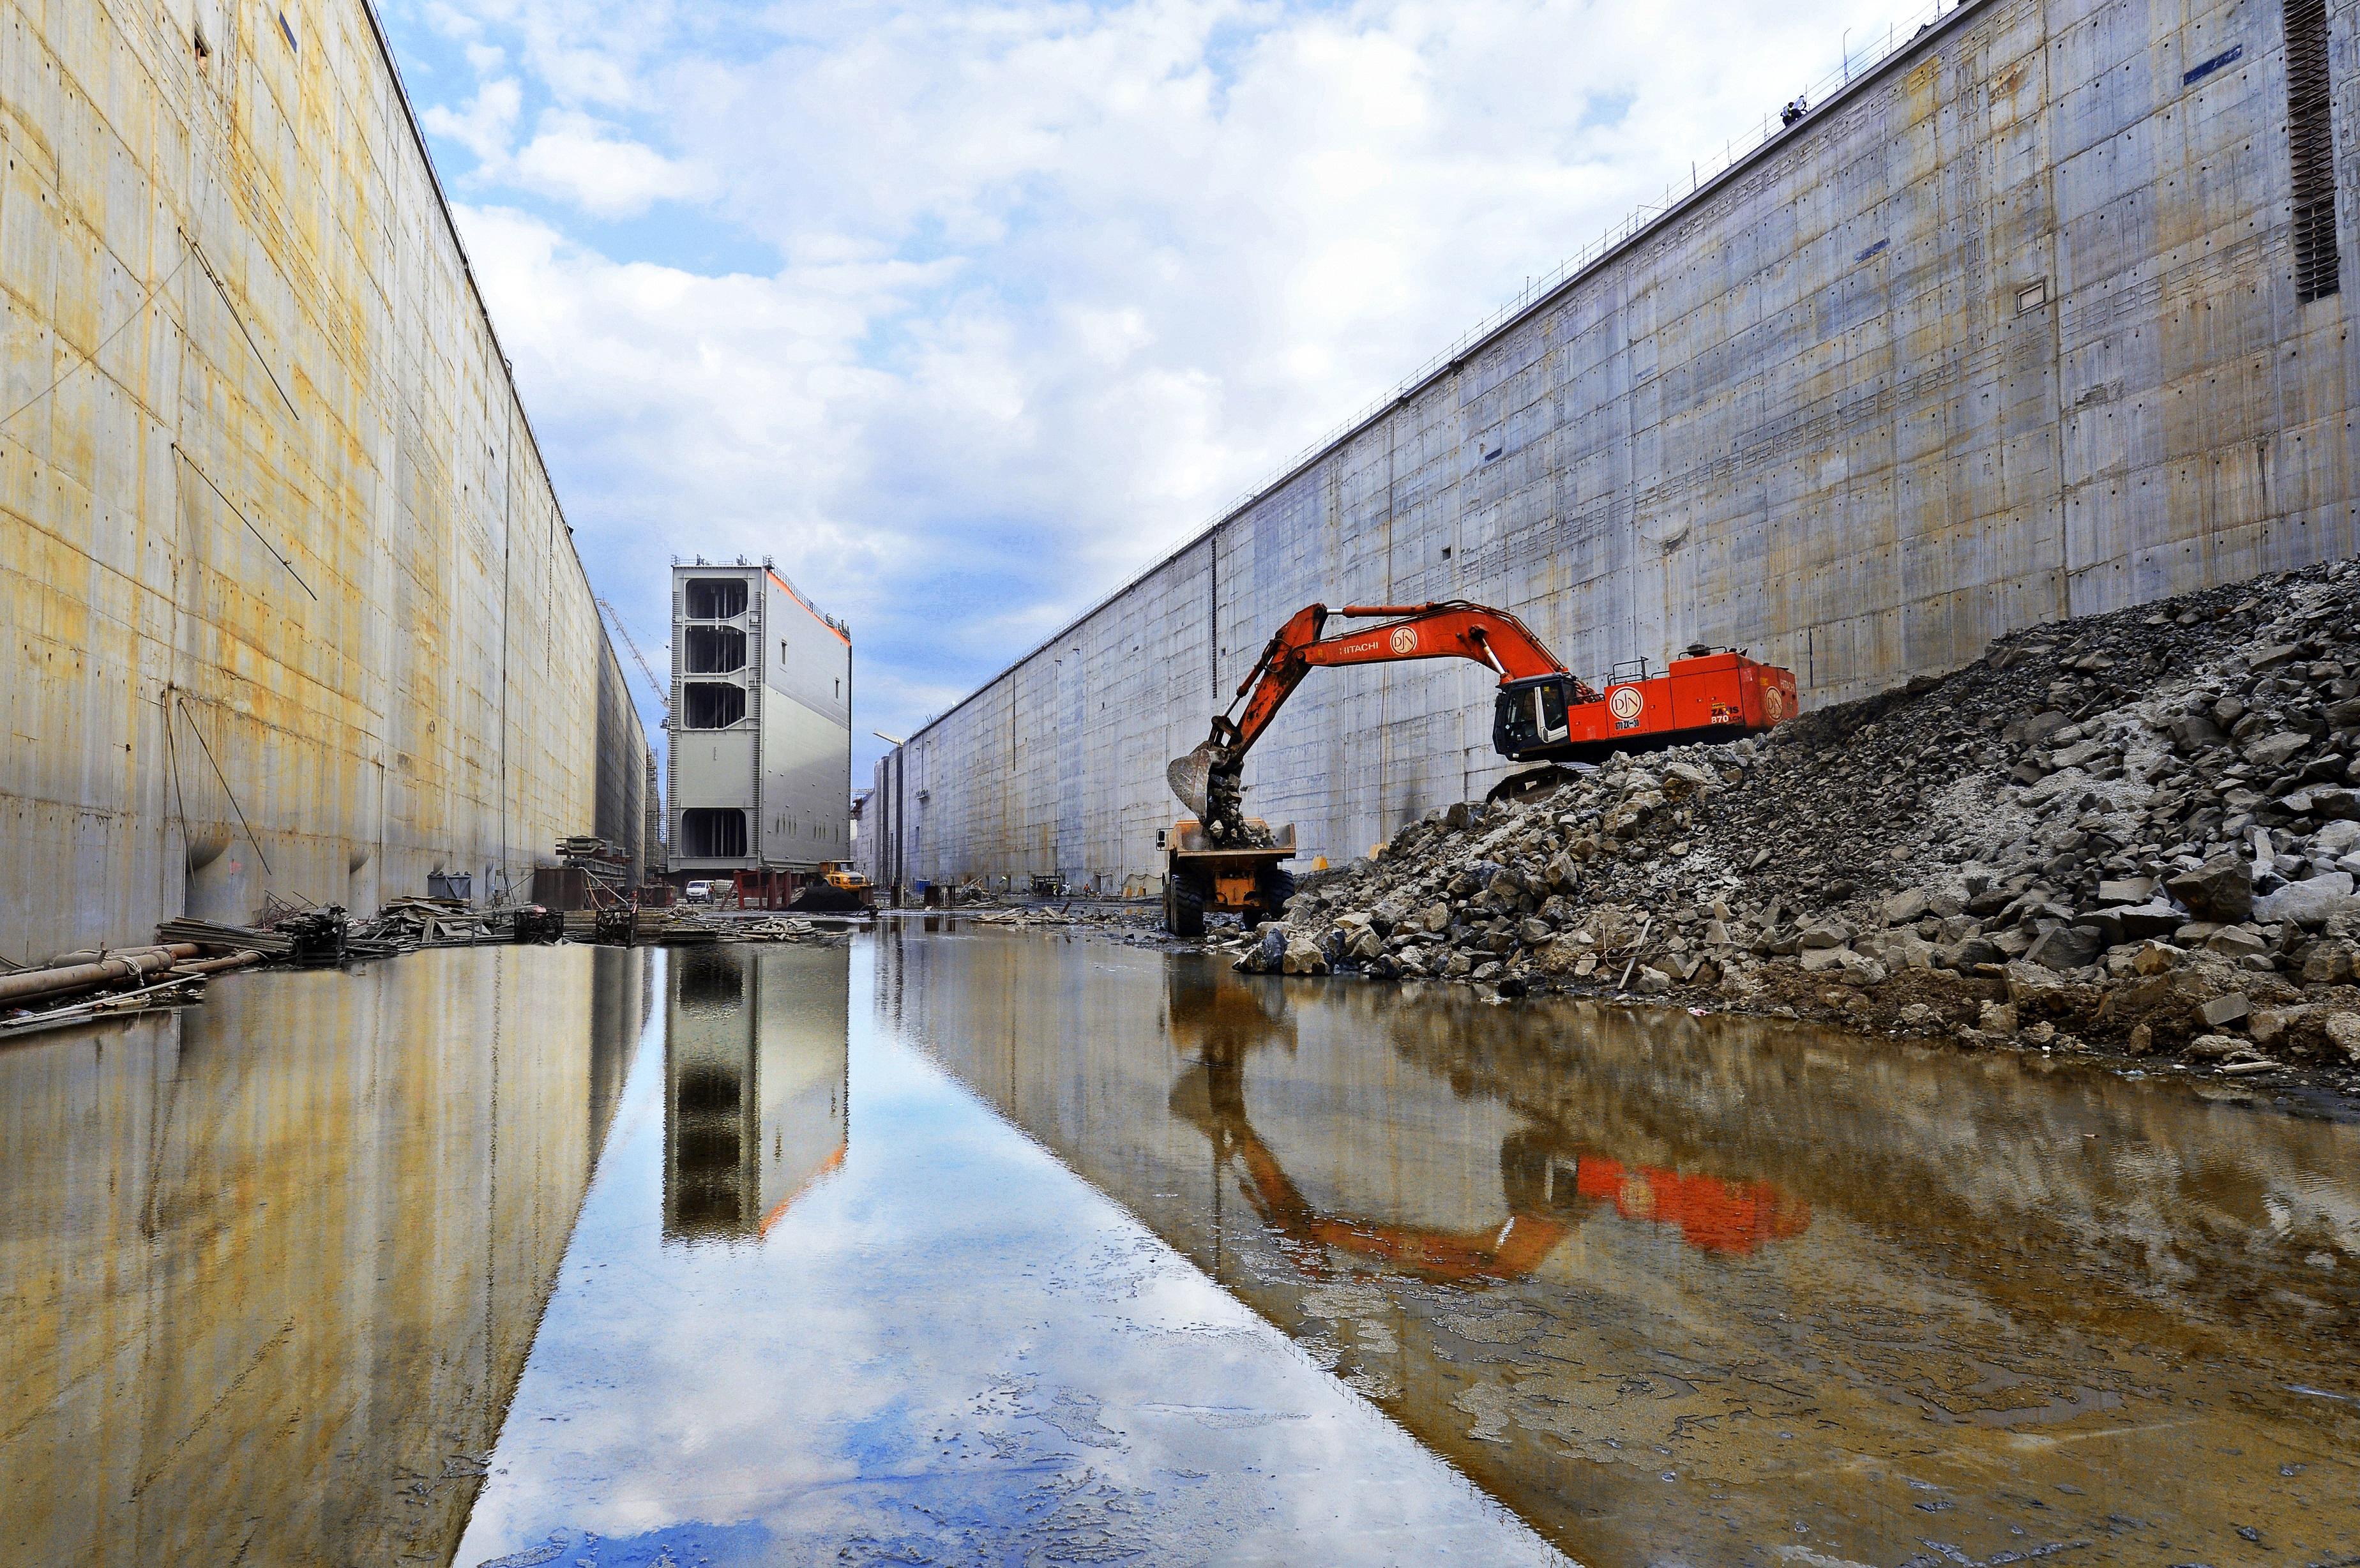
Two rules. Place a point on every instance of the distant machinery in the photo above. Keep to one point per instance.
(663, 691)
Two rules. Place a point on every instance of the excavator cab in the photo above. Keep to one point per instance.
(1532, 717)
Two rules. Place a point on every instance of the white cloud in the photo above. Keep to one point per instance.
(591, 165)
(598, 169)
(1021, 294)
(485, 124)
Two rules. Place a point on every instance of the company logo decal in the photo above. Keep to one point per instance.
(1625, 702)
(1404, 639)
(1773, 703)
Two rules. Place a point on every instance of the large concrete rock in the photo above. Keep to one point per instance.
(2221, 891)
(2309, 903)
(2067, 947)
(2342, 1031)
(1825, 934)
(1304, 957)
(2327, 803)
(2225, 1009)
(2137, 922)
(2331, 964)
(1686, 778)
(2273, 752)
(2034, 730)
(1906, 907)
(1969, 952)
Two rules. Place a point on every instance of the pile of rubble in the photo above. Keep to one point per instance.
(786, 927)
(2137, 832)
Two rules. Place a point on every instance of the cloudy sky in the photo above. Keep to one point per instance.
(965, 312)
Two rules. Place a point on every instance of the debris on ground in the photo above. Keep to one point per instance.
(1130, 919)
(773, 928)
(405, 923)
(1033, 915)
(75, 987)
(2137, 832)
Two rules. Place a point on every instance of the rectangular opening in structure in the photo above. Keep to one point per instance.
(715, 598)
(715, 650)
(713, 833)
(2310, 142)
(711, 704)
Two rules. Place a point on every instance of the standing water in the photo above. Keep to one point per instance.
(960, 1244)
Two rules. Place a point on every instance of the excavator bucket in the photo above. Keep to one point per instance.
(1189, 777)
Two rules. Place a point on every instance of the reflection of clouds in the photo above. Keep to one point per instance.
(954, 1346)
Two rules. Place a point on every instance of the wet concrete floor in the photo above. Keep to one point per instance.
(962, 1245)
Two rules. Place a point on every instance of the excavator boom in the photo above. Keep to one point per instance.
(1449, 629)
(1543, 712)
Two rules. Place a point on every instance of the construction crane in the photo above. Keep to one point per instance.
(663, 691)
(1541, 713)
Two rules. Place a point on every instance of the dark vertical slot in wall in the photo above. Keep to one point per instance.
(2310, 142)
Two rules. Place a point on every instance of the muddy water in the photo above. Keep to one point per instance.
(966, 1245)
(1703, 1290)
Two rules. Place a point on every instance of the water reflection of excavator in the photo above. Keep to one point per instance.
(1211, 1095)
(1551, 1187)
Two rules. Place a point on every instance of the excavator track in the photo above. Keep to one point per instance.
(1532, 783)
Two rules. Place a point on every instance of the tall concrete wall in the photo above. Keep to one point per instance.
(2008, 331)
(289, 606)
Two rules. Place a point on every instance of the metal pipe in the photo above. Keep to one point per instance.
(134, 964)
(215, 966)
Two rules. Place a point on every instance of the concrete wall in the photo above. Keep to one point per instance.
(289, 603)
(2007, 331)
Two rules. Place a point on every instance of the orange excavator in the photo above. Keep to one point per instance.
(1543, 712)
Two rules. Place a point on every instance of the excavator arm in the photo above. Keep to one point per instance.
(1207, 778)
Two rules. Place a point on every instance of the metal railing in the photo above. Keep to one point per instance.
(1898, 35)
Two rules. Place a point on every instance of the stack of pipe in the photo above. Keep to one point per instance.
(212, 933)
(129, 966)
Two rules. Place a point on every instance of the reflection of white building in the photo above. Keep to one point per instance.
(754, 1085)
(761, 725)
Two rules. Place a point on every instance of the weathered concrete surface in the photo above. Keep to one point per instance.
(1813, 412)
(288, 602)
(305, 1279)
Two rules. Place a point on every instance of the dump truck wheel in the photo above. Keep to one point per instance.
(1277, 888)
(1183, 904)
